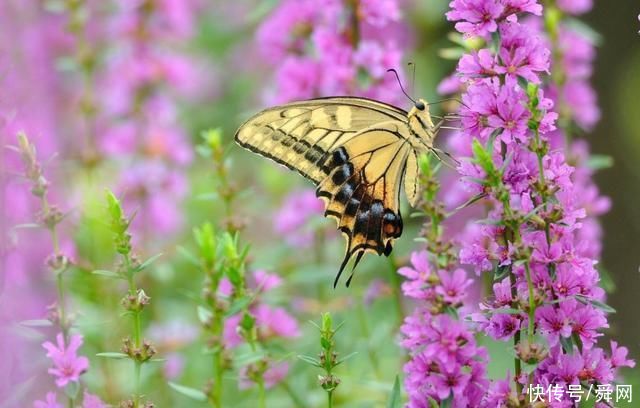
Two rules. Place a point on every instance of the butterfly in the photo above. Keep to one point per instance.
(358, 152)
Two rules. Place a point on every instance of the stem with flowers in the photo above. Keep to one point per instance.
(50, 217)
(138, 350)
(535, 206)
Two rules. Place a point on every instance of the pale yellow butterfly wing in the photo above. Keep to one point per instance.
(355, 150)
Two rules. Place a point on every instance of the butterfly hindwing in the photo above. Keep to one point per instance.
(362, 189)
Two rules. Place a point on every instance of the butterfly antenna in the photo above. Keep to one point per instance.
(400, 83)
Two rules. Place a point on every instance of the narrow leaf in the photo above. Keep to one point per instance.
(394, 399)
(192, 393)
(148, 262)
(113, 354)
(345, 358)
(36, 323)
(310, 360)
(106, 273)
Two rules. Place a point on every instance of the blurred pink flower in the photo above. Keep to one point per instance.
(173, 366)
(271, 322)
(49, 402)
(275, 373)
(291, 221)
(68, 366)
(92, 401)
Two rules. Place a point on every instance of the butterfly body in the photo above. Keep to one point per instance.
(358, 152)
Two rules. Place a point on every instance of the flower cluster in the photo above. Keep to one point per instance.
(446, 363)
(546, 282)
(143, 78)
(334, 47)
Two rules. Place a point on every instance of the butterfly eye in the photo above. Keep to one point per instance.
(420, 105)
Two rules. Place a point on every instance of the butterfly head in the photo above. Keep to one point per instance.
(421, 111)
(421, 123)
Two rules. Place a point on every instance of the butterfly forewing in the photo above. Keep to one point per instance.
(356, 152)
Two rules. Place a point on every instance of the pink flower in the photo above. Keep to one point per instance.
(92, 401)
(619, 356)
(49, 402)
(479, 16)
(67, 365)
(275, 373)
(417, 276)
(453, 286)
(291, 221)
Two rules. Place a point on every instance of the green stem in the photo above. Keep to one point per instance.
(217, 381)
(61, 309)
(136, 398)
(532, 303)
(137, 328)
(261, 392)
(330, 399)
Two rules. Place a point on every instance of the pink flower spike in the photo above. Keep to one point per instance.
(68, 366)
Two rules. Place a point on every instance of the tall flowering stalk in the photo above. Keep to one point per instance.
(446, 365)
(68, 366)
(327, 358)
(545, 297)
(136, 348)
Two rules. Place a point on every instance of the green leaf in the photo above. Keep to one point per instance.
(248, 358)
(583, 29)
(36, 323)
(27, 225)
(307, 359)
(345, 358)
(567, 344)
(394, 400)
(71, 390)
(113, 354)
(451, 53)
(238, 305)
(148, 262)
(327, 322)
(482, 156)
(507, 310)
(106, 274)
(471, 201)
(599, 161)
(204, 314)
(595, 303)
(192, 393)
(500, 272)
